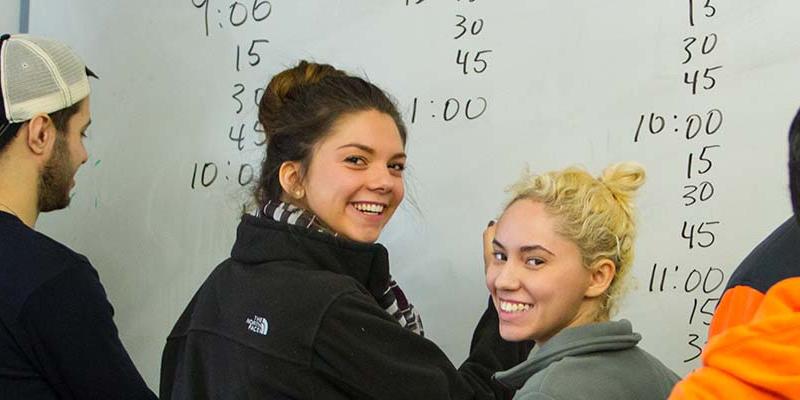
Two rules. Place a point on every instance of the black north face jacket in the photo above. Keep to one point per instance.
(292, 315)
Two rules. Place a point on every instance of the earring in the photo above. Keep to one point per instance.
(298, 194)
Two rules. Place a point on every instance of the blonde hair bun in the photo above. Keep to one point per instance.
(623, 179)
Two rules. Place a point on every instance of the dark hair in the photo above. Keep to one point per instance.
(300, 106)
(60, 120)
(794, 164)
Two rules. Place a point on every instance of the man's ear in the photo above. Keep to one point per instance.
(290, 175)
(602, 273)
(39, 134)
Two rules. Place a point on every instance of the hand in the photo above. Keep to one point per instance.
(488, 237)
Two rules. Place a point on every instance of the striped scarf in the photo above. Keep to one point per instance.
(393, 300)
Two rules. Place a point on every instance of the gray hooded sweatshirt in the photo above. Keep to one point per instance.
(596, 361)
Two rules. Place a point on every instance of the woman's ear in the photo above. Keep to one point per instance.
(602, 273)
(291, 178)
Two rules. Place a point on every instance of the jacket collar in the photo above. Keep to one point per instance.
(570, 342)
(261, 240)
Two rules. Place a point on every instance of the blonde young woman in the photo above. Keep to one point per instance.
(556, 263)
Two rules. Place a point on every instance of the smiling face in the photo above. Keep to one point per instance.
(537, 278)
(354, 181)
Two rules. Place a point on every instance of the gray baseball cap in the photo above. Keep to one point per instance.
(38, 75)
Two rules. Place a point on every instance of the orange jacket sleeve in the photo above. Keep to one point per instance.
(737, 307)
(756, 360)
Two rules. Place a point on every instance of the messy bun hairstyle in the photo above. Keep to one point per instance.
(300, 106)
(597, 214)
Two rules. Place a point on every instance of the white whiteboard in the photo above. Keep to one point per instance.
(9, 16)
(565, 83)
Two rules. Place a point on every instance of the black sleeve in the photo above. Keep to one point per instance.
(489, 353)
(363, 352)
(74, 337)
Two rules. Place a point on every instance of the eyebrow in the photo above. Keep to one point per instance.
(369, 150)
(525, 249)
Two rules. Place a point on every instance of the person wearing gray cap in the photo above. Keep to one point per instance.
(58, 339)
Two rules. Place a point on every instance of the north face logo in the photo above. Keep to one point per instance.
(258, 325)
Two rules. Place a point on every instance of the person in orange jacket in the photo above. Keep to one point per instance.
(754, 361)
(754, 339)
